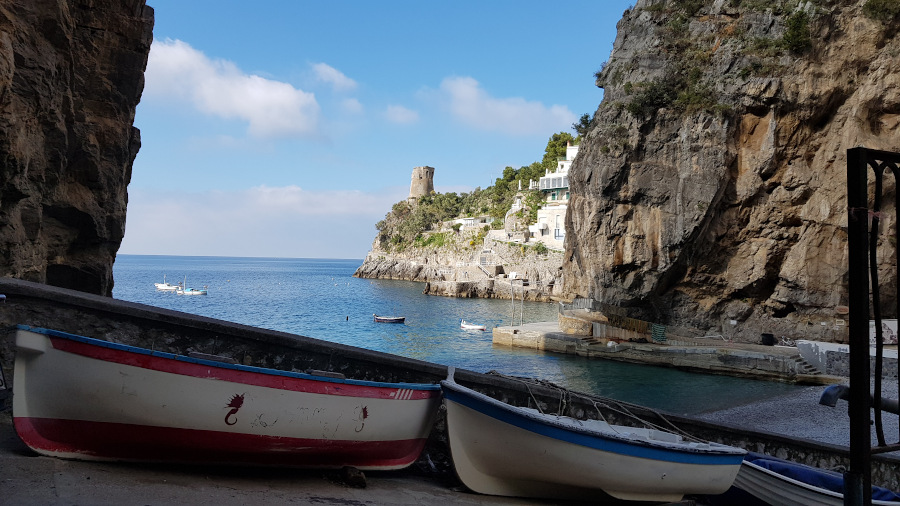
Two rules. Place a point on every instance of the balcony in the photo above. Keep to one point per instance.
(554, 182)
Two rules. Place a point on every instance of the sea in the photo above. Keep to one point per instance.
(320, 298)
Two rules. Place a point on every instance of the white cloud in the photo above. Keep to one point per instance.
(516, 116)
(219, 88)
(352, 106)
(263, 221)
(401, 115)
(334, 77)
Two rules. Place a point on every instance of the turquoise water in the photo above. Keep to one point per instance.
(319, 298)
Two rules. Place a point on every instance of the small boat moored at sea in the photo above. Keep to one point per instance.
(183, 290)
(84, 398)
(389, 319)
(783, 483)
(193, 291)
(471, 326)
(505, 450)
(165, 286)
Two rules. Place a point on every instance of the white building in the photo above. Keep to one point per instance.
(550, 227)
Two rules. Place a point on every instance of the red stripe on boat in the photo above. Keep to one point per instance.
(170, 365)
(117, 441)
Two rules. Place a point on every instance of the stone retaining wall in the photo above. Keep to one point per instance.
(834, 359)
(838, 364)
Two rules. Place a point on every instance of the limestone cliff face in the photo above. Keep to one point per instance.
(71, 75)
(469, 265)
(711, 189)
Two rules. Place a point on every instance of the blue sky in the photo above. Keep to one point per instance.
(289, 128)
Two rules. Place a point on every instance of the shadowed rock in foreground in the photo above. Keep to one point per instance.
(71, 75)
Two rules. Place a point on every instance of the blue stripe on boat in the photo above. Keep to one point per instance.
(636, 448)
(223, 365)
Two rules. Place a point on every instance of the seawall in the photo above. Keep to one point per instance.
(731, 359)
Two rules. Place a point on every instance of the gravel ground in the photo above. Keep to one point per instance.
(800, 415)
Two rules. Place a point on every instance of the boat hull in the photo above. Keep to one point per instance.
(77, 397)
(191, 291)
(778, 490)
(471, 326)
(390, 319)
(497, 451)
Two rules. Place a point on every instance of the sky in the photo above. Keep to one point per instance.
(289, 128)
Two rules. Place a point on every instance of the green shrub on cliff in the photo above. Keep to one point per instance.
(797, 36)
(885, 11)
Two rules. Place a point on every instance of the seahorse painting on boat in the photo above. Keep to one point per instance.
(235, 404)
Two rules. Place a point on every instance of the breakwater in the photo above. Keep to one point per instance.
(175, 332)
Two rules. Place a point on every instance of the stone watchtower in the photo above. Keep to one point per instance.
(422, 183)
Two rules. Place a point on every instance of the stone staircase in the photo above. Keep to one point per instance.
(591, 341)
(805, 368)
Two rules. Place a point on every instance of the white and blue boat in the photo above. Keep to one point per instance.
(499, 449)
(778, 482)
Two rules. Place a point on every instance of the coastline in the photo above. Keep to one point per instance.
(493, 270)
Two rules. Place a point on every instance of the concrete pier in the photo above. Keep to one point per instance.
(779, 363)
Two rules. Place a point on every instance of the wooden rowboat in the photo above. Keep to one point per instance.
(782, 483)
(389, 319)
(500, 449)
(83, 398)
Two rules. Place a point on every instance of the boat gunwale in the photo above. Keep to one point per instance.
(812, 488)
(223, 365)
(714, 454)
(792, 481)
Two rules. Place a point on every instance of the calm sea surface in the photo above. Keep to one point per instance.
(320, 298)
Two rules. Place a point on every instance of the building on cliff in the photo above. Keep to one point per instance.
(422, 183)
(551, 217)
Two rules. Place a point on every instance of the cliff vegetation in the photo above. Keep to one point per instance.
(426, 239)
(418, 223)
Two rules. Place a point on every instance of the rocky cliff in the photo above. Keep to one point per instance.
(710, 190)
(71, 75)
(465, 263)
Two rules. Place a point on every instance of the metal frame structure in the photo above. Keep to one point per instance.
(862, 238)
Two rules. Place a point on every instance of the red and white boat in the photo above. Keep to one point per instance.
(83, 398)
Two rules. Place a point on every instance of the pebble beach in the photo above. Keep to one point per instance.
(798, 414)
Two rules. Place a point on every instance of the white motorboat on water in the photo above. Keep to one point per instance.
(84, 398)
(165, 286)
(471, 326)
(505, 450)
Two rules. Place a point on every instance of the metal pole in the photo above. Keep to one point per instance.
(858, 480)
(512, 299)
